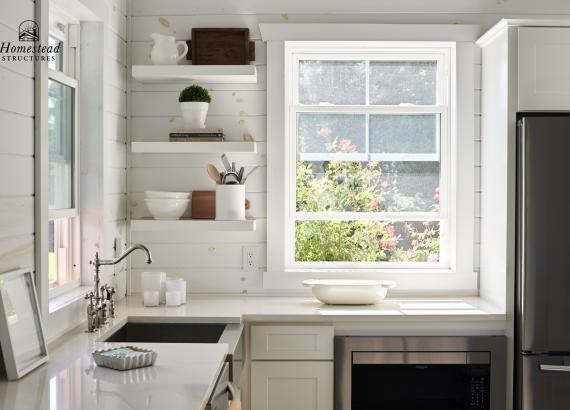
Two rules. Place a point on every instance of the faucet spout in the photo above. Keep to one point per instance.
(126, 253)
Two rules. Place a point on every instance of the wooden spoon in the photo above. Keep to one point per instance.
(214, 174)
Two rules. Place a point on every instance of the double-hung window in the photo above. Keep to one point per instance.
(63, 171)
(368, 180)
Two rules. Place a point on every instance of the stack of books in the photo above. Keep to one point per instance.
(197, 134)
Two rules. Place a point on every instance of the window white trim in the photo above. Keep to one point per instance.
(459, 279)
(271, 32)
(443, 54)
(72, 83)
(41, 10)
(74, 262)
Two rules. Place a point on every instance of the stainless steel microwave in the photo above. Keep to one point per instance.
(420, 373)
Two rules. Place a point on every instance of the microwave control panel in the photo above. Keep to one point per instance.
(479, 387)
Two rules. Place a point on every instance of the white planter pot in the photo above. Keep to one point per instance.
(194, 114)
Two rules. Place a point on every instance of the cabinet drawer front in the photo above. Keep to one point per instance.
(292, 385)
(292, 342)
(544, 57)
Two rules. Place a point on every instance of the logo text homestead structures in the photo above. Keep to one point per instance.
(28, 31)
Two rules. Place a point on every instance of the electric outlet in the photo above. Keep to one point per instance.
(250, 258)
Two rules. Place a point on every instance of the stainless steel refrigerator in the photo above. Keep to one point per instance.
(542, 350)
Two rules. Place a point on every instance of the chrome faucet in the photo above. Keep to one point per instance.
(100, 304)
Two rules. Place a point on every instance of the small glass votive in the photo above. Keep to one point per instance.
(177, 285)
(173, 298)
(151, 298)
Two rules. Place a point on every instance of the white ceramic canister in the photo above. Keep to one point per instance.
(154, 281)
(230, 202)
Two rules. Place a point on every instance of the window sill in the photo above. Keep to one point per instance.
(409, 282)
(65, 299)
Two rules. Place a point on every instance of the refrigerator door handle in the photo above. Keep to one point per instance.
(554, 368)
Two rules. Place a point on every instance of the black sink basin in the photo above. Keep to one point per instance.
(168, 333)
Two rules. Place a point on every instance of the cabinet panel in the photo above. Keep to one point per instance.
(292, 342)
(291, 385)
(543, 61)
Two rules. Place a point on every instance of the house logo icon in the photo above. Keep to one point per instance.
(29, 31)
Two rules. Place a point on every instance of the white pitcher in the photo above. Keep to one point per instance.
(166, 50)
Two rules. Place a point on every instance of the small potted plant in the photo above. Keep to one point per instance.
(194, 102)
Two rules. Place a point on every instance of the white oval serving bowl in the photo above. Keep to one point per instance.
(166, 208)
(166, 194)
(349, 291)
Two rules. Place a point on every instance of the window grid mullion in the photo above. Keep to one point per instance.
(368, 110)
(380, 109)
(367, 115)
(369, 216)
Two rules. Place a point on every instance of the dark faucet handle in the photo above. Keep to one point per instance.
(110, 292)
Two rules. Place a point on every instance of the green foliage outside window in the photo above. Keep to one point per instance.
(353, 186)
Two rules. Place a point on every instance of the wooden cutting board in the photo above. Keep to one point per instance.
(221, 46)
(203, 205)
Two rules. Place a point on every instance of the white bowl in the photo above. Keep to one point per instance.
(166, 194)
(349, 291)
(166, 208)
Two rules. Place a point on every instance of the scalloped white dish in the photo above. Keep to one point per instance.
(349, 291)
(124, 357)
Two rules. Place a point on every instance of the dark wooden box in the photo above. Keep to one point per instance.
(221, 46)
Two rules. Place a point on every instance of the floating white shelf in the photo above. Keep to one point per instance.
(219, 74)
(194, 225)
(193, 147)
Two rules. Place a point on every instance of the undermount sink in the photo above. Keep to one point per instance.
(168, 333)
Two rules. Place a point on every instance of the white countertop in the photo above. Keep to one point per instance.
(236, 309)
(184, 374)
(181, 379)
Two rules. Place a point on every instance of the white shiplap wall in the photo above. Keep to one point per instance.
(477, 161)
(212, 262)
(115, 138)
(103, 156)
(16, 146)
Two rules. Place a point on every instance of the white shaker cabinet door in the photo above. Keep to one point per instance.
(544, 68)
(292, 385)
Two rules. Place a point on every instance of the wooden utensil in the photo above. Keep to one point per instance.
(214, 174)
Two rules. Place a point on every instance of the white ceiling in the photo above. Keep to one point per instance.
(356, 6)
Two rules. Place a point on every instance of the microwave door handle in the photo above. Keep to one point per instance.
(554, 368)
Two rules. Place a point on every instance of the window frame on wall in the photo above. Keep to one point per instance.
(459, 278)
(65, 222)
(442, 56)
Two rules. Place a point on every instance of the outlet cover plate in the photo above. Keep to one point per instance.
(251, 258)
